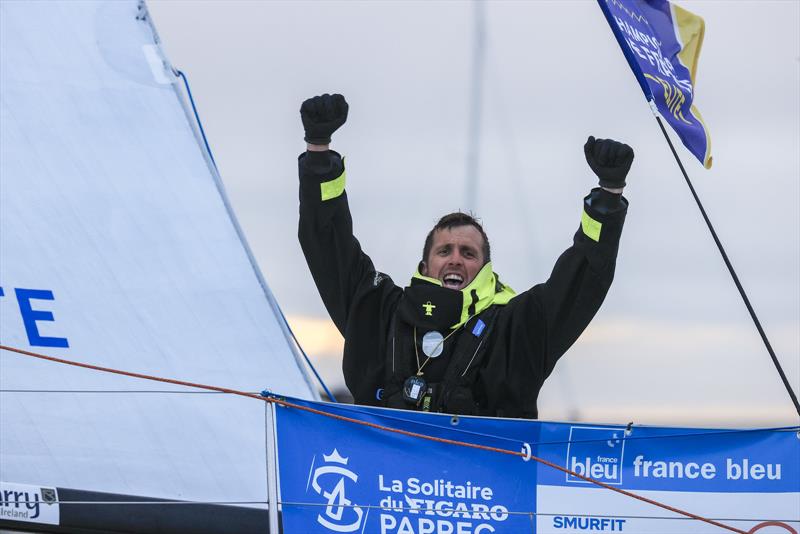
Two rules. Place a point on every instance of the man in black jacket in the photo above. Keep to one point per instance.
(456, 340)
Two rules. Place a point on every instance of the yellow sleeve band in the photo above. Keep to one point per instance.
(590, 227)
(334, 188)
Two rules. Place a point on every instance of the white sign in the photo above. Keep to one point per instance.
(31, 504)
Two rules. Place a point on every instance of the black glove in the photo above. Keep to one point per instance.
(322, 115)
(610, 160)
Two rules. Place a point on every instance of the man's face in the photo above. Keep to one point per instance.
(456, 256)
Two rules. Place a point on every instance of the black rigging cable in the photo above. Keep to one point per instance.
(732, 271)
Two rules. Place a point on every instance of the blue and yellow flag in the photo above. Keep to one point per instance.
(661, 42)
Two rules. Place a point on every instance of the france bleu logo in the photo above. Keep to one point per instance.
(596, 452)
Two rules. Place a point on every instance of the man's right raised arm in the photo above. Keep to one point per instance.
(325, 231)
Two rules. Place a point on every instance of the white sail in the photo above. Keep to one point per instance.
(118, 248)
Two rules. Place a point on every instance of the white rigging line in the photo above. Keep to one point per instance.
(476, 98)
(401, 509)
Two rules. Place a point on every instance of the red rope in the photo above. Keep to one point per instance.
(758, 527)
(376, 426)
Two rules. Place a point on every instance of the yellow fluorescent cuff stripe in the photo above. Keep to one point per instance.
(590, 227)
(334, 188)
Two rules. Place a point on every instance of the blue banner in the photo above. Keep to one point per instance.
(341, 476)
(662, 42)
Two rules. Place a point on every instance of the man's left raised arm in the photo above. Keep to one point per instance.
(583, 273)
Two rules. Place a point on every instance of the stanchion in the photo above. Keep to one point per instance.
(272, 467)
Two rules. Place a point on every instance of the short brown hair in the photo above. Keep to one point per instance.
(452, 220)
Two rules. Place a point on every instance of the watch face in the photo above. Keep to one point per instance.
(413, 389)
(432, 344)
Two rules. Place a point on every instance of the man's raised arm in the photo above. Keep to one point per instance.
(583, 273)
(325, 230)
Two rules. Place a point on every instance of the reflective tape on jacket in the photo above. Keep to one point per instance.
(591, 228)
(334, 188)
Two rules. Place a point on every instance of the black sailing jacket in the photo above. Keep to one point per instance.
(530, 333)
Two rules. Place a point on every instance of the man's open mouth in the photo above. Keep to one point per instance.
(453, 281)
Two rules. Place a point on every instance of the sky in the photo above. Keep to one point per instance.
(673, 343)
